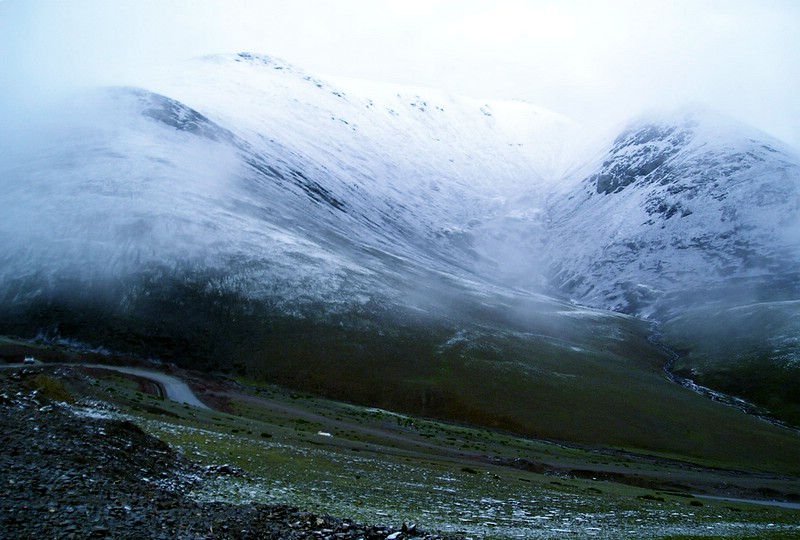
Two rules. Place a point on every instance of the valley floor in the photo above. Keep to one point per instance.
(91, 452)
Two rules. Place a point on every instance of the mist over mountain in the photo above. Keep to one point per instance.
(240, 213)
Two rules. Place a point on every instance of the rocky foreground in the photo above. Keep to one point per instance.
(69, 475)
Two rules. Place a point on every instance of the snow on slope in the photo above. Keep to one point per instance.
(443, 166)
(286, 186)
(289, 186)
(419, 133)
(687, 202)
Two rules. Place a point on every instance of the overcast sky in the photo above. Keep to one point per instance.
(586, 59)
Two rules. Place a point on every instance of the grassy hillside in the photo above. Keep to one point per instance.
(751, 351)
(272, 445)
(530, 366)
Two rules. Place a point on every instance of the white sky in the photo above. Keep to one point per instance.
(595, 60)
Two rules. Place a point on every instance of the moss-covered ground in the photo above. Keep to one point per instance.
(378, 466)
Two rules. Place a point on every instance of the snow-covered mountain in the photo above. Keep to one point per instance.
(292, 187)
(194, 209)
(681, 204)
(445, 169)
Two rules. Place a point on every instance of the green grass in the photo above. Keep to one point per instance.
(528, 365)
(50, 388)
(379, 466)
(751, 351)
(485, 500)
(602, 394)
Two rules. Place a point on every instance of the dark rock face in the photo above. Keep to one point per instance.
(173, 113)
(74, 477)
(638, 153)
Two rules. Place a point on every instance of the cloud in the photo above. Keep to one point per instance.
(586, 59)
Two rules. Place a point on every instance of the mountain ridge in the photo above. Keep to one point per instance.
(243, 214)
(680, 187)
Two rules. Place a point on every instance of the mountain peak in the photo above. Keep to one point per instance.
(687, 200)
(255, 59)
(650, 148)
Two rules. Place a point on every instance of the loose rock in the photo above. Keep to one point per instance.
(65, 476)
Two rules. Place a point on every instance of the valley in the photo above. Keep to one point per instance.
(398, 303)
(371, 465)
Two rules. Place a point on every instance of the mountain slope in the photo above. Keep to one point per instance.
(243, 215)
(694, 221)
(678, 205)
(291, 173)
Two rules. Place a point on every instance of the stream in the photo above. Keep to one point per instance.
(732, 401)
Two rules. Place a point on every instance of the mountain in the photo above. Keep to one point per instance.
(390, 246)
(693, 220)
(679, 210)
(278, 162)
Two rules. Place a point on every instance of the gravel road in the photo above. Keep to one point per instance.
(173, 388)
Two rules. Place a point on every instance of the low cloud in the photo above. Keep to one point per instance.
(588, 60)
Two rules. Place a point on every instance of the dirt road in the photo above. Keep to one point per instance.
(173, 388)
